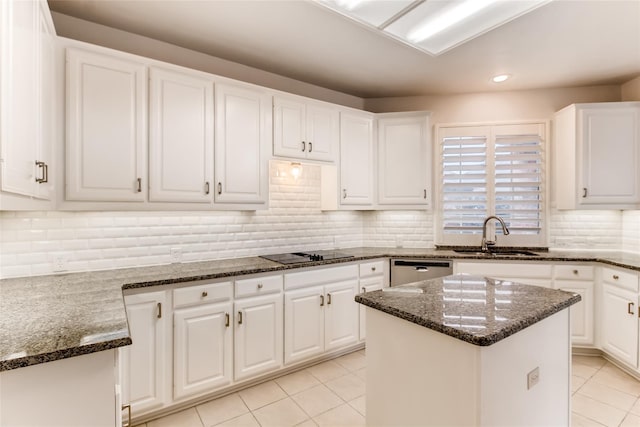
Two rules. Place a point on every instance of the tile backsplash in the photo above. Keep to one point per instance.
(35, 243)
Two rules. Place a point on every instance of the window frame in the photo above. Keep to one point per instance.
(512, 240)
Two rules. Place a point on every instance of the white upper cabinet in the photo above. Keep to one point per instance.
(304, 130)
(356, 159)
(404, 159)
(597, 156)
(243, 141)
(106, 128)
(180, 137)
(26, 108)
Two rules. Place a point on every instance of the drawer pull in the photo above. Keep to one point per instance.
(616, 277)
(239, 318)
(226, 320)
(630, 308)
(204, 294)
(328, 299)
(321, 300)
(260, 285)
(373, 269)
(575, 272)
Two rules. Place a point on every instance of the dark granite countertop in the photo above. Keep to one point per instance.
(45, 318)
(474, 309)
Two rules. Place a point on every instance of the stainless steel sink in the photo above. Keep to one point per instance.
(496, 254)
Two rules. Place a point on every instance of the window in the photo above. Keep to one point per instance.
(492, 170)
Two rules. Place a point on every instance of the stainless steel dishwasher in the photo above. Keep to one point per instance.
(413, 270)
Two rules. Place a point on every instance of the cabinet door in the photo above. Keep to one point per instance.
(289, 128)
(180, 137)
(242, 144)
(341, 315)
(368, 285)
(258, 335)
(106, 128)
(322, 132)
(303, 323)
(20, 103)
(144, 363)
(404, 161)
(202, 348)
(610, 138)
(582, 312)
(620, 323)
(356, 159)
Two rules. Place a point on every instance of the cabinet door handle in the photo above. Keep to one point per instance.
(139, 189)
(304, 146)
(328, 299)
(584, 193)
(159, 310)
(206, 188)
(310, 147)
(226, 320)
(630, 308)
(45, 172)
(616, 277)
(363, 290)
(128, 408)
(321, 300)
(219, 188)
(424, 193)
(344, 193)
(239, 318)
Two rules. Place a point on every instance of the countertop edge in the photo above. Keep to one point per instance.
(23, 362)
(481, 341)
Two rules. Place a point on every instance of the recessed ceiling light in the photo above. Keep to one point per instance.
(501, 78)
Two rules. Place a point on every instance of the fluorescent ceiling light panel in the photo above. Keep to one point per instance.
(433, 26)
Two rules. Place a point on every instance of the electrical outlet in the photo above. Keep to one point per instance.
(533, 377)
(399, 242)
(176, 255)
(59, 263)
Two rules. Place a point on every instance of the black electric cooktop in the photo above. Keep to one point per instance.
(302, 257)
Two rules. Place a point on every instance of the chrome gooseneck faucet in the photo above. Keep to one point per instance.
(486, 243)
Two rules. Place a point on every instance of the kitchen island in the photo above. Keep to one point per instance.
(468, 350)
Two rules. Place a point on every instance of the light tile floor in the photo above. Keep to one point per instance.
(333, 394)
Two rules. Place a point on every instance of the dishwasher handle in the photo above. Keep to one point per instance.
(421, 265)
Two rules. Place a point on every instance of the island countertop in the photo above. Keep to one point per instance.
(474, 309)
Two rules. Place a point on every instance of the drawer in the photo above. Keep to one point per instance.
(624, 279)
(320, 276)
(574, 272)
(258, 286)
(201, 294)
(373, 268)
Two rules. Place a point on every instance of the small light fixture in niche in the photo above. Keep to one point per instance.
(501, 78)
(296, 170)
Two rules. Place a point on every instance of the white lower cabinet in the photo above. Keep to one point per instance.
(619, 315)
(145, 362)
(367, 285)
(578, 279)
(203, 349)
(258, 335)
(202, 338)
(320, 311)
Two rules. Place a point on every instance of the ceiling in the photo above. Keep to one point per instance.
(561, 44)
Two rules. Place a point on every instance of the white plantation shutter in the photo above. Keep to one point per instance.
(464, 183)
(492, 170)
